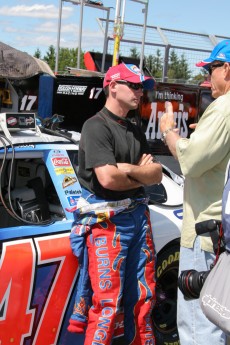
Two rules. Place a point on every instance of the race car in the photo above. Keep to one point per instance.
(38, 271)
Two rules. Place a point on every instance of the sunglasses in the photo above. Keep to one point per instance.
(211, 68)
(133, 86)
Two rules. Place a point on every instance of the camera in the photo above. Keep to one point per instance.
(190, 282)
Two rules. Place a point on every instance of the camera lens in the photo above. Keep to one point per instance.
(190, 283)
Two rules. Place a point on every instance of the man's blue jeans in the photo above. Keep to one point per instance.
(194, 328)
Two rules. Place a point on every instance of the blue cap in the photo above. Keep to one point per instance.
(221, 52)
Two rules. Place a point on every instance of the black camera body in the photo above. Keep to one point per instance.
(190, 282)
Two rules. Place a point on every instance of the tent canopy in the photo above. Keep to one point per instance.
(15, 64)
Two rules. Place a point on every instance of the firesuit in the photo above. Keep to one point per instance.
(118, 238)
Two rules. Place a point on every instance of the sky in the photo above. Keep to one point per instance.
(29, 25)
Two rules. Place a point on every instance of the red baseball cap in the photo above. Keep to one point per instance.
(129, 73)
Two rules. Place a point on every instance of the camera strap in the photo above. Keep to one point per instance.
(220, 244)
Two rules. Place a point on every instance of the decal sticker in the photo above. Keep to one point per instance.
(27, 146)
(28, 102)
(72, 192)
(71, 89)
(63, 171)
(68, 181)
(73, 200)
(95, 92)
(178, 213)
(12, 121)
(60, 162)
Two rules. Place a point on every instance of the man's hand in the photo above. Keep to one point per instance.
(145, 159)
(167, 120)
(193, 125)
(147, 172)
(167, 126)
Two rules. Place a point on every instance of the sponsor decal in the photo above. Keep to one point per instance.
(72, 192)
(115, 76)
(28, 121)
(153, 128)
(71, 89)
(178, 213)
(64, 171)
(211, 302)
(72, 200)
(61, 162)
(169, 96)
(221, 56)
(135, 69)
(68, 181)
(57, 153)
(12, 121)
(27, 145)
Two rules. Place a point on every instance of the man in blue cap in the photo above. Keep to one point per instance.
(203, 159)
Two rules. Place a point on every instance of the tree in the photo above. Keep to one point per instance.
(178, 67)
(173, 66)
(67, 58)
(50, 57)
(183, 70)
(38, 54)
(199, 78)
(155, 64)
(134, 53)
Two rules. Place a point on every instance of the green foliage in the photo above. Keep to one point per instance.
(134, 53)
(50, 57)
(178, 68)
(155, 64)
(38, 53)
(67, 58)
(199, 78)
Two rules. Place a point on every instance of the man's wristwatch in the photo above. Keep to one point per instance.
(163, 134)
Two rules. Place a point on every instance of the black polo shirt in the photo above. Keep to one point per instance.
(109, 139)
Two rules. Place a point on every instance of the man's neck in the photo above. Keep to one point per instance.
(116, 109)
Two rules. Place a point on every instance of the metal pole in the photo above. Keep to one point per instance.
(105, 41)
(143, 37)
(58, 37)
(116, 34)
(165, 66)
(79, 36)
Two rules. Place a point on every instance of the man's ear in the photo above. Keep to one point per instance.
(112, 85)
(227, 70)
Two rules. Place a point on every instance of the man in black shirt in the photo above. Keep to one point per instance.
(114, 166)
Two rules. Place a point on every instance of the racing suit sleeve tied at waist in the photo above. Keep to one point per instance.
(90, 210)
